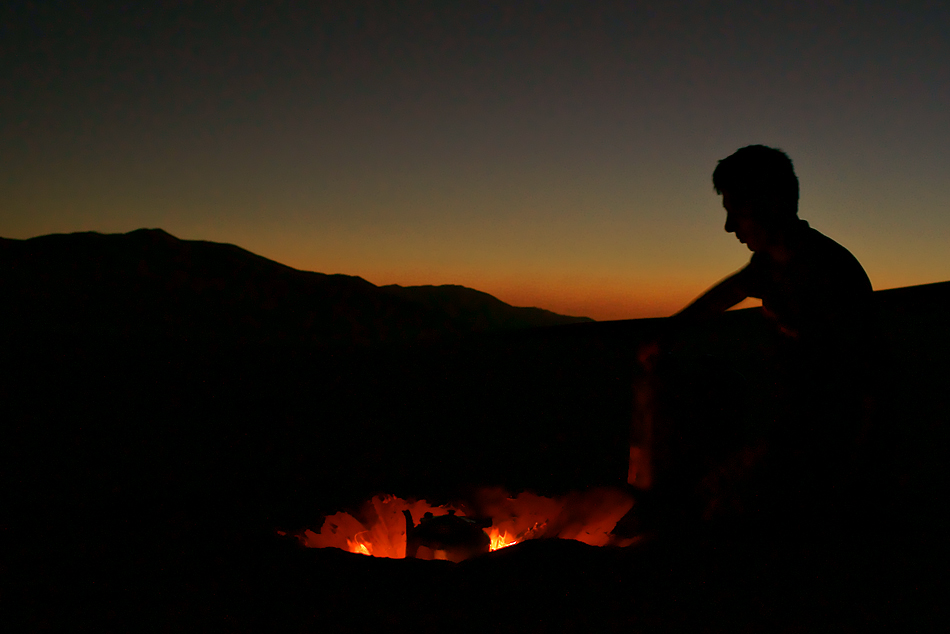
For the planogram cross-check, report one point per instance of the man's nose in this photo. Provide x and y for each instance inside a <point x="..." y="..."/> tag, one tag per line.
<point x="730" y="225"/>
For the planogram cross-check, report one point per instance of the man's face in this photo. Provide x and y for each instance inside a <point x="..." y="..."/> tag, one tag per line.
<point x="742" y="219"/>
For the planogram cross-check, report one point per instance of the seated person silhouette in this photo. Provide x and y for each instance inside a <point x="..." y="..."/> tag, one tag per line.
<point x="817" y="302"/>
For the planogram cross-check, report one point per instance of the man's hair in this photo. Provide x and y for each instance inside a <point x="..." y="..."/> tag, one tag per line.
<point x="761" y="174"/>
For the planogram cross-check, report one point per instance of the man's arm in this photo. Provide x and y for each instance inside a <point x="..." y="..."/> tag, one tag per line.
<point x="717" y="299"/>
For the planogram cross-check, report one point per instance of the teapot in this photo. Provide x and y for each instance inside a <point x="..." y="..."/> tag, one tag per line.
<point x="449" y="537"/>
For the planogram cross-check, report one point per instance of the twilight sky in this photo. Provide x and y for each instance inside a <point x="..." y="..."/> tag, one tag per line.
<point x="553" y="154"/>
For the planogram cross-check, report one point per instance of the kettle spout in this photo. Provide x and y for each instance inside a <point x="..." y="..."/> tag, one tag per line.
<point x="412" y="545"/>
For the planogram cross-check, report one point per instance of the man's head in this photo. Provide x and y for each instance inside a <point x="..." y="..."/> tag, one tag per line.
<point x="760" y="193"/>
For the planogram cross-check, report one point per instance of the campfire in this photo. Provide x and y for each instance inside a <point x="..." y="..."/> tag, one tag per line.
<point x="389" y="526"/>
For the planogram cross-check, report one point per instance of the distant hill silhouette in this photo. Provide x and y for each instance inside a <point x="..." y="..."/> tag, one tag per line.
<point x="914" y="299"/>
<point x="476" y="310"/>
<point x="152" y="284"/>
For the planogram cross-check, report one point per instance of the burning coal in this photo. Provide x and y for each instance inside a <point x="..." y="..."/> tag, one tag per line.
<point x="388" y="526"/>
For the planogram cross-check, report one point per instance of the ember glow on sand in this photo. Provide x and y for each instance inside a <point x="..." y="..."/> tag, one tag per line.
<point x="379" y="527"/>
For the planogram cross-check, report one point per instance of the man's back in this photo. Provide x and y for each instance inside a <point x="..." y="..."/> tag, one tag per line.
<point x="818" y="292"/>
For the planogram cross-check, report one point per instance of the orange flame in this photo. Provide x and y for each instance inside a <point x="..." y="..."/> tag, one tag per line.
<point x="359" y="545"/>
<point x="500" y="539"/>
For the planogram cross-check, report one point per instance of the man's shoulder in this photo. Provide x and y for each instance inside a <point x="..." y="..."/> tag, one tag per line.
<point x="828" y="256"/>
<point x="814" y="243"/>
<point x="811" y="237"/>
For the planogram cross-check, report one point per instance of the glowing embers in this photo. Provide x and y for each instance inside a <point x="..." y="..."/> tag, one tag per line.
<point x="500" y="539"/>
<point x="387" y="526"/>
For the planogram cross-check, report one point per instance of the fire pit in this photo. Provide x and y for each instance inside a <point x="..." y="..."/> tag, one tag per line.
<point x="393" y="527"/>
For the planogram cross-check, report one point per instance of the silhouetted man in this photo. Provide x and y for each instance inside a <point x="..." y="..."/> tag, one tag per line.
<point x="818" y="301"/>
<point x="811" y="287"/>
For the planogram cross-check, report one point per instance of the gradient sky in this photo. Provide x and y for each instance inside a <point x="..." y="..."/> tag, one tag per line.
<point x="553" y="154"/>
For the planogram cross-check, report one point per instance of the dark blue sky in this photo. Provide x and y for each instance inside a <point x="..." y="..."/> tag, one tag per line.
<point x="550" y="153"/>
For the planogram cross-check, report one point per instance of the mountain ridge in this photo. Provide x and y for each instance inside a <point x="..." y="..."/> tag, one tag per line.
<point x="149" y="282"/>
